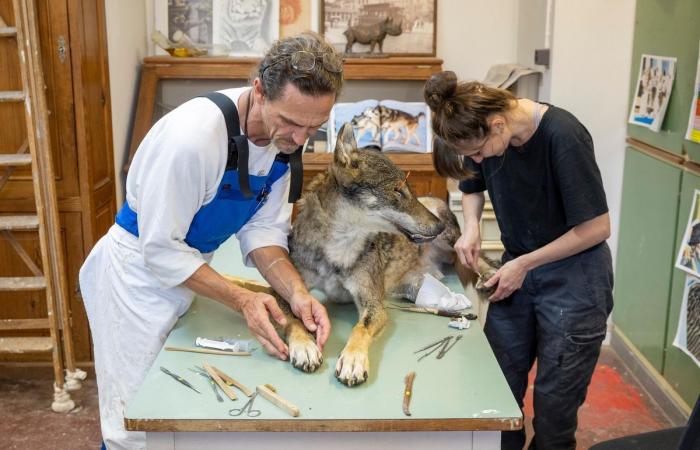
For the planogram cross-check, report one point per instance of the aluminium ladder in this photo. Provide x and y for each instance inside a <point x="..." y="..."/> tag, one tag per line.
<point x="46" y="221"/>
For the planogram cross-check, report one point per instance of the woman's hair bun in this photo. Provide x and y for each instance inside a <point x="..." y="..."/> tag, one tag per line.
<point x="440" y="87"/>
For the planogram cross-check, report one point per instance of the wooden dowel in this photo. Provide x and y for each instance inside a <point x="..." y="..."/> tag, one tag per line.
<point x="204" y="350"/>
<point x="224" y="387"/>
<point x="231" y="382"/>
<point x="268" y="392"/>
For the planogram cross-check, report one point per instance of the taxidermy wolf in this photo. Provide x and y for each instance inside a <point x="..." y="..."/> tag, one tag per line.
<point x="361" y="234"/>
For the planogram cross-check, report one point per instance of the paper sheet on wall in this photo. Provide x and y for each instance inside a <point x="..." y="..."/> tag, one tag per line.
<point x="693" y="133"/>
<point x="688" y="333"/>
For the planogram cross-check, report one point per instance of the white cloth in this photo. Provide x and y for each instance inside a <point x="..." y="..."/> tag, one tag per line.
<point x="434" y="294"/>
<point x="131" y="286"/>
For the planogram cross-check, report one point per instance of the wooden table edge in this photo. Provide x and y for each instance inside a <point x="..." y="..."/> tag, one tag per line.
<point x="339" y="425"/>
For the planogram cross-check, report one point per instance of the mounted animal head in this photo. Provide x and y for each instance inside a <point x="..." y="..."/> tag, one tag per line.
<point x="370" y="183"/>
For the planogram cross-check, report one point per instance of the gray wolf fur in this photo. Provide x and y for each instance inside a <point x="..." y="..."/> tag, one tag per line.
<point x="368" y="121"/>
<point x="359" y="235"/>
<point x="399" y="122"/>
<point x="372" y="35"/>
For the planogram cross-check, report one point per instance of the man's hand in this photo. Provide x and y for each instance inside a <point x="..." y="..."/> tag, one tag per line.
<point x="313" y="315"/>
<point x="257" y="308"/>
<point x="509" y="279"/>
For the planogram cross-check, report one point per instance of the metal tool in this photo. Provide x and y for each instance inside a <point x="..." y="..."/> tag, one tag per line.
<point x="248" y="406"/>
<point x="179" y="379"/>
<point x="432" y="345"/>
<point x="440" y="345"/>
<point x="446" y="349"/>
<point x="435" y="311"/>
<point x="210" y="380"/>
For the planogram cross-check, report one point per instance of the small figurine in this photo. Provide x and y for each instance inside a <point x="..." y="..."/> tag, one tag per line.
<point x="372" y="35"/>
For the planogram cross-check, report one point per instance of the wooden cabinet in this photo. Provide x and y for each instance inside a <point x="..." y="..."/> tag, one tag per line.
<point x="74" y="61"/>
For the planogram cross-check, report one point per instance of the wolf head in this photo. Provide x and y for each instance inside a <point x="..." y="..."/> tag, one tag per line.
<point x="372" y="185"/>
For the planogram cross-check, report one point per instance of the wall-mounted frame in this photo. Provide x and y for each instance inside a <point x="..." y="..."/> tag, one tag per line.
<point x="224" y="27"/>
<point x="416" y="19"/>
<point x="297" y="16"/>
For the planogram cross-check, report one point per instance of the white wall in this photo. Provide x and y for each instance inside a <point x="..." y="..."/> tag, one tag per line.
<point x="590" y="76"/>
<point x="473" y="35"/>
<point x="126" y="46"/>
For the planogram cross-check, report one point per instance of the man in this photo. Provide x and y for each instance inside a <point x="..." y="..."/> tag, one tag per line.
<point x="194" y="182"/>
<point x="691" y="252"/>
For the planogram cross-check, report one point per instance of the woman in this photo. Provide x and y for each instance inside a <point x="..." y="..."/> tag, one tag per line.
<point x="554" y="290"/>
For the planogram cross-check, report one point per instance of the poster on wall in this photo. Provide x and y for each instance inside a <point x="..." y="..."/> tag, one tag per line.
<point x="654" y="84"/>
<point x="192" y="17"/>
<point x="689" y="253"/>
<point x="389" y="27"/>
<point x="223" y="27"/>
<point x="693" y="133"/>
<point x="297" y="16"/>
<point x="246" y="27"/>
<point x="688" y="333"/>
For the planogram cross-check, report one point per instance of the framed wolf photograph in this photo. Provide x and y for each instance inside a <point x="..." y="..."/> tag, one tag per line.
<point x="381" y="27"/>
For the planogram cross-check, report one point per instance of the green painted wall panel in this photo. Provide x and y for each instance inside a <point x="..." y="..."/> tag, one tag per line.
<point x="669" y="28"/>
<point x="679" y="369"/>
<point x="645" y="252"/>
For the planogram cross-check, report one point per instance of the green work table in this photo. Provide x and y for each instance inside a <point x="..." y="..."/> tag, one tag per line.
<point x="459" y="401"/>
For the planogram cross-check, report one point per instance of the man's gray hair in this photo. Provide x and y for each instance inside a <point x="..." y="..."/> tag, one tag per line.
<point x="278" y="70"/>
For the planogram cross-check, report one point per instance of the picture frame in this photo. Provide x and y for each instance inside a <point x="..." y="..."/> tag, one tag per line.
<point x="415" y="19"/>
<point x="297" y="16"/>
<point x="243" y="28"/>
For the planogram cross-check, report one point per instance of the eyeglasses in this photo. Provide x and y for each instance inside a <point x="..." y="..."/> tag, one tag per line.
<point x="305" y="61"/>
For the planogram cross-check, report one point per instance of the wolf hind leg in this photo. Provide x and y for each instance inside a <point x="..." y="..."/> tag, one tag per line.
<point x="304" y="354"/>
<point x="353" y="364"/>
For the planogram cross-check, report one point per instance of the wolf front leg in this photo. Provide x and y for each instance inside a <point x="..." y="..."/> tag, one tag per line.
<point x="353" y="364"/>
<point x="304" y="354"/>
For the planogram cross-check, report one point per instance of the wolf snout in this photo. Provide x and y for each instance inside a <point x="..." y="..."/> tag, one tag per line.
<point x="424" y="235"/>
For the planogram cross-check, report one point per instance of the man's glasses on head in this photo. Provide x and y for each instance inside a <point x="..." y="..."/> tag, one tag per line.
<point x="305" y="61"/>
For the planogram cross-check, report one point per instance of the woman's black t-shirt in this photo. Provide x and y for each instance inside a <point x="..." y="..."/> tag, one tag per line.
<point x="546" y="187"/>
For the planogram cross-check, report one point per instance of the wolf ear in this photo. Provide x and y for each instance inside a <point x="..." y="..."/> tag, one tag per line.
<point x="345" y="145"/>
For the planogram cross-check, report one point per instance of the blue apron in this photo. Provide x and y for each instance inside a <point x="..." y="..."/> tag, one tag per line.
<point x="239" y="195"/>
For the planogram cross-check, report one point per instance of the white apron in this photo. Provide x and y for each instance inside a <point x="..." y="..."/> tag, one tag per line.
<point x="130" y="316"/>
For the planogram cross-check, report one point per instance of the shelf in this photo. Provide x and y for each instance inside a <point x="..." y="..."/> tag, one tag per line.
<point x="394" y="68"/>
<point x="407" y="161"/>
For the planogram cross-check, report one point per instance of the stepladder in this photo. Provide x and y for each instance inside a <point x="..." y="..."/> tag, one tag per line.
<point x="42" y="273"/>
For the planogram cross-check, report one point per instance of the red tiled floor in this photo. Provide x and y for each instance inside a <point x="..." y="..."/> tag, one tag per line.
<point x="615" y="406"/>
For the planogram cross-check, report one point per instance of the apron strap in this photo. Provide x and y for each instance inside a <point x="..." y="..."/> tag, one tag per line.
<point x="238" y="150"/>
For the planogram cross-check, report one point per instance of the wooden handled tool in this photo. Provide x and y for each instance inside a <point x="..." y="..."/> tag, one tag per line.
<point x="224" y="387"/>
<point x="408" y="392"/>
<point x="270" y="394"/>
<point x="204" y="350"/>
<point x="231" y="382"/>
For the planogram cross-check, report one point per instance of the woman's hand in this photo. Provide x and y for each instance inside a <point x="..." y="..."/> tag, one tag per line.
<point x="468" y="247"/>
<point x="257" y="308"/>
<point x="313" y="315"/>
<point x="509" y="279"/>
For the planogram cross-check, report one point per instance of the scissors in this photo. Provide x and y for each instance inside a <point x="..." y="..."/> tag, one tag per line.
<point x="249" y="406"/>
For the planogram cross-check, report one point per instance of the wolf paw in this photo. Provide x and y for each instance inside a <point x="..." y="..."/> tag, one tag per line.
<point x="352" y="368"/>
<point x="305" y="356"/>
<point x="480" y="288"/>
